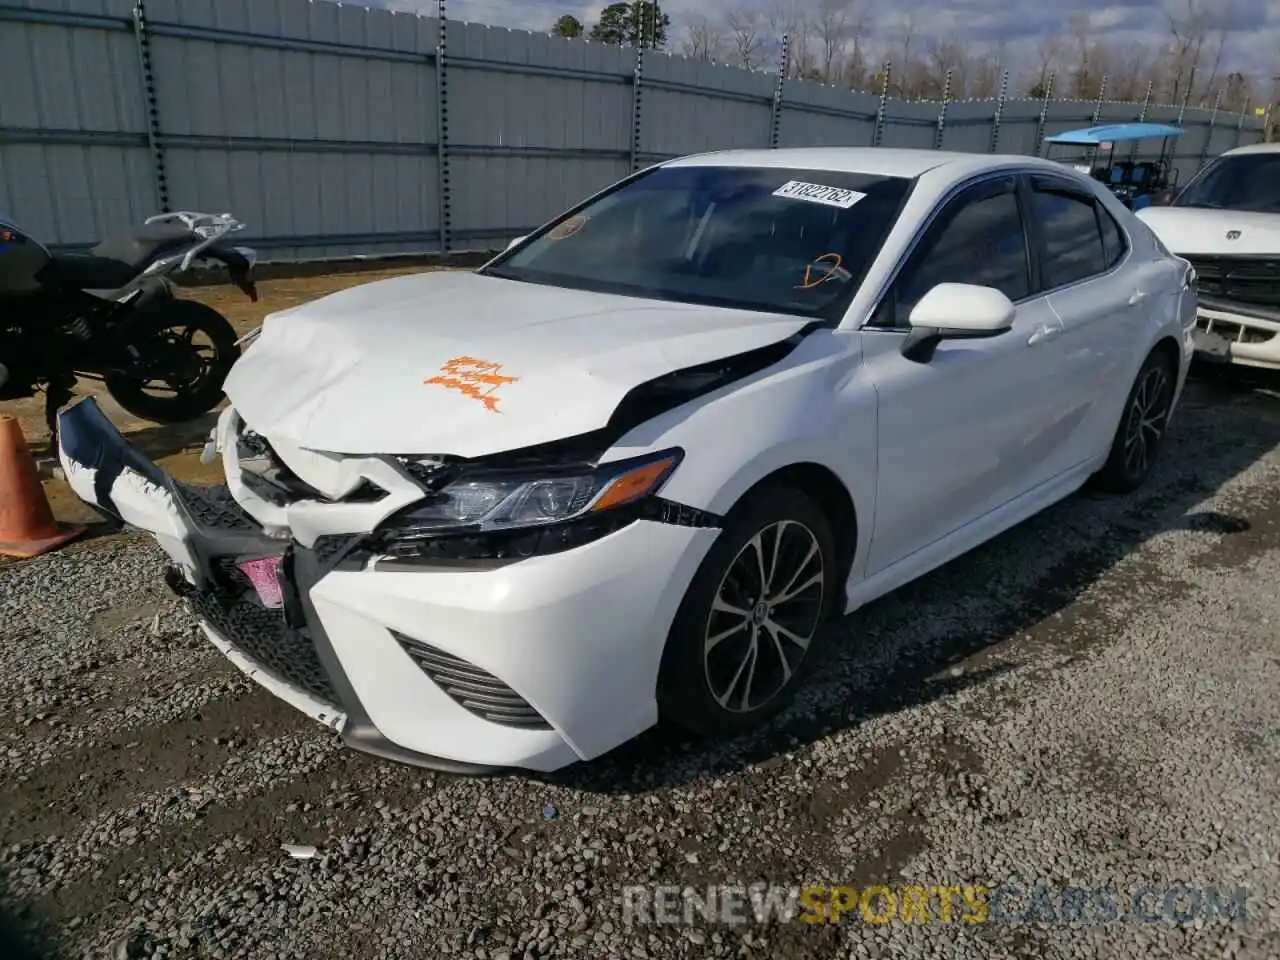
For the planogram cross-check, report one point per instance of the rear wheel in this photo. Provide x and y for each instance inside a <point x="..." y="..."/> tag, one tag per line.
<point x="750" y="625"/>
<point x="1140" y="434"/>
<point x="184" y="351"/>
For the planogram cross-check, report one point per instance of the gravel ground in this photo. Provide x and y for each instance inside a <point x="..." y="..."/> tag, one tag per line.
<point x="1091" y="700"/>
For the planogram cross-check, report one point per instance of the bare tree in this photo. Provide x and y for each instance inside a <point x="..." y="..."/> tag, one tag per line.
<point x="790" y="18"/>
<point x="905" y="76"/>
<point x="1048" y="62"/>
<point x="704" y="40"/>
<point x="1189" y="31"/>
<point x="985" y="74"/>
<point x="944" y="56"/>
<point x="830" y="41"/>
<point x="837" y="21"/>
<point x="746" y="38"/>
<point x="1222" y="14"/>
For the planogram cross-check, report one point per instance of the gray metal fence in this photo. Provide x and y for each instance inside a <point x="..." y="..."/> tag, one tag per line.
<point x="337" y="130"/>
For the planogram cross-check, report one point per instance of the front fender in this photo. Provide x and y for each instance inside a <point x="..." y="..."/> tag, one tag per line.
<point x="814" y="407"/>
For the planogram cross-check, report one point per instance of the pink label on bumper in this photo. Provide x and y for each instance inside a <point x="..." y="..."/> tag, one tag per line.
<point x="262" y="574"/>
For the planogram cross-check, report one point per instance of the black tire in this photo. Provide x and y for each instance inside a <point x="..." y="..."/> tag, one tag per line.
<point x="1139" y="436"/>
<point x="151" y="330"/>
<point x="693" y="679"/>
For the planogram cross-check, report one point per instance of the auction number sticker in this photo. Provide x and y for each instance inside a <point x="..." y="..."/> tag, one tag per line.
<point x="819" y="193"/>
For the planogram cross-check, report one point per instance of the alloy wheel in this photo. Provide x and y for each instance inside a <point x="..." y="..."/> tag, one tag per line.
<point x="1146" y="422"/>
<point x="765" y="614"/>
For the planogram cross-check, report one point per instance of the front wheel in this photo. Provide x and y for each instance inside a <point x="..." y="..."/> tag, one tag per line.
<point x="1140" y="434"/>
<point x="179" y="353"/>
<point x="749" y="627"/>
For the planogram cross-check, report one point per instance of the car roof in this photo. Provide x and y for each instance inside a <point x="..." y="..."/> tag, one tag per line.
<point x="876" y="161"/>
<point x="1254" y="148"/>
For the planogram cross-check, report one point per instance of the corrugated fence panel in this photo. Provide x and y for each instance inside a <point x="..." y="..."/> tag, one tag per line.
<point x="320" y="135"/>
<point x="689" y="106"/>
<point x="911" y="125"/>
<point x="74" y="163"/>
<point x="535" y="123"/>
<point x="317" y="123"/>
<point x="814" y="115"/>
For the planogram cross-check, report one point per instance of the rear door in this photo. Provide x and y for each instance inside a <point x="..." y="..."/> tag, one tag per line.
<point x="1102" y="294"/>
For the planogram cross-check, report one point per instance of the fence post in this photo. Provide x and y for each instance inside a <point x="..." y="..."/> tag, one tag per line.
<point x="442" y="131"/>
<point x="999" y="114"/>
<point x="878" y="135"/>
<point x="1240" y="122"/>
<point x="942" y="112"/>
<point x="1044" y="114"/>
<point x="775" y="115"/>
<point x="637" y="110"/>
<point x="1097" y="114"/>
<point x="154" y="136"/>
<point x="1142" y="117"/>
<point x="1208" y="137"/>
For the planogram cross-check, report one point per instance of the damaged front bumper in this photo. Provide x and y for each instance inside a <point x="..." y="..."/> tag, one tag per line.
<point x="206" y="536"/>
<point x="534" y="664"/>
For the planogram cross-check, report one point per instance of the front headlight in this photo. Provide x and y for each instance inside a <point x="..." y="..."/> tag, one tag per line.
<point x="496" y="503"/>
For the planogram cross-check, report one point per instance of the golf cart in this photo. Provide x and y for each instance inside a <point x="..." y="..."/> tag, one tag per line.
<point x="1139" y="183"/>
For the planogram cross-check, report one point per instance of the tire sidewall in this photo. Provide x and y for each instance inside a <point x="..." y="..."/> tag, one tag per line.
<point x="1116" y="474"/>
<point x="159" y="314"/>
<point x="684" y="697"/>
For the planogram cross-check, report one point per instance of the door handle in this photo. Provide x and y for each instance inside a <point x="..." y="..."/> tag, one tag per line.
<point x="1044" y="334"/>
<point x="1137" y="297"/>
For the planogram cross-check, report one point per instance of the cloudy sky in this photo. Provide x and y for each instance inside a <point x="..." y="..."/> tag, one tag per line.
<point x="1253" y="44"/>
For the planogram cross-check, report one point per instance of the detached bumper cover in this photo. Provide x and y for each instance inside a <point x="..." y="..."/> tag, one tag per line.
<point x="535" y="664"/>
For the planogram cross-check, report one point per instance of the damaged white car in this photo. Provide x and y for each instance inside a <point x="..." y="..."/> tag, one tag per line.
<point x="626" y="471"/>
<point x="1226" y="222"/>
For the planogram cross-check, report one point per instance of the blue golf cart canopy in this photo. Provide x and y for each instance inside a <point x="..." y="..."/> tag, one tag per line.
<point x="1112" y="133"/>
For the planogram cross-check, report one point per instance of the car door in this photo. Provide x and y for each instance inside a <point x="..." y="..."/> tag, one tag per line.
<point x="1099" y="295"/>
<point x="968" y="430"/>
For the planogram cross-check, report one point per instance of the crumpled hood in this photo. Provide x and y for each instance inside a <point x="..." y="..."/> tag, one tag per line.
<point x="453" y="362"/>
<point x="1189" y="231"/>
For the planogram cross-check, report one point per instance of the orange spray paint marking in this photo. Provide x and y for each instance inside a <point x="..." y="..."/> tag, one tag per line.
<point x="832" y="261"/>
<point x="477" y="379"/>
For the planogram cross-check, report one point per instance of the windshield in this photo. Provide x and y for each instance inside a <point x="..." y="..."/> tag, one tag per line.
<point x="785" y="241"/>
<point x="1248" y="181"/>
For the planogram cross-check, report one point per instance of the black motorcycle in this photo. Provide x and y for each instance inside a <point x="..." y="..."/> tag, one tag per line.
<point x="111" y="315"/>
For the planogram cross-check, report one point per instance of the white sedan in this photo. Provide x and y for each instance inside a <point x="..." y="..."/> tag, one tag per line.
<point x="625" y="472"/>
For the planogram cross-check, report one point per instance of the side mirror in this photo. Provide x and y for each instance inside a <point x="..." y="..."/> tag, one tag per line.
<point x="516" y="242"/>
<point x="956" y="311"/>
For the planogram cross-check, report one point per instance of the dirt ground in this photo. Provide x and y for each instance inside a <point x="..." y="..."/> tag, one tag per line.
<point x="177" y="447"/>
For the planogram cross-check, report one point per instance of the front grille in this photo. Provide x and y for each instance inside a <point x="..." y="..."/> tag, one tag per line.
<point x="214" y="508"/>
<point x="263" y="635"/>
<point x="1245" y="280"/>
<point x="473" y="689"/>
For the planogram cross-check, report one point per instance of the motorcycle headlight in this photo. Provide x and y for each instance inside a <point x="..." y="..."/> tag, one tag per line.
<point x="516" y="503"/>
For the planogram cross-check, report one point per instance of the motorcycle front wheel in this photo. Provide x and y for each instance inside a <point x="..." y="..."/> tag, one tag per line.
<point x="176" y="356"/>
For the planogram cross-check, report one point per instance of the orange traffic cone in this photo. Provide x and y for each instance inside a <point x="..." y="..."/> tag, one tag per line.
<point x="27" y="527"/>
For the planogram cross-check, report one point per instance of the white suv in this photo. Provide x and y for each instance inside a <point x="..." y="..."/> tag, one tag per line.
<point x="1226" y="221"/>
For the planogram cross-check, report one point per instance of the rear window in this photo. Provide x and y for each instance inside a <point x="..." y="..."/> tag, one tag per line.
<point x="780" y="240"/>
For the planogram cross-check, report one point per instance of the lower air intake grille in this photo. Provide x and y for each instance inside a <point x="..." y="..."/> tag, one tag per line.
<point x="262" y="634"/>
<point x="213" y="507"/>
<point x="473" y="689"/>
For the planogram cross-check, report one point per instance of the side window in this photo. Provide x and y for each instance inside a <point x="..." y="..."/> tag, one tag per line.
<point x="1113" y="243"/>
<point x="1072" y="240"/>
<point x="978" y="239"/>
